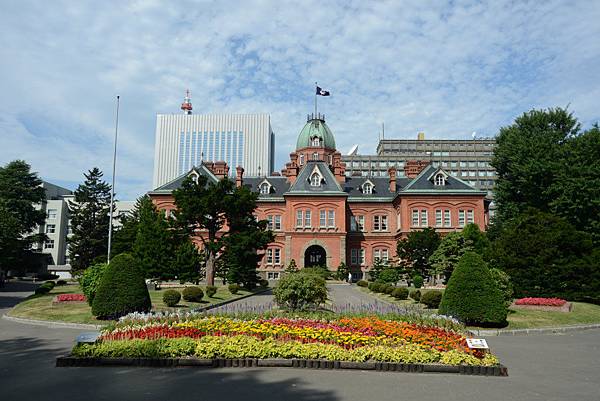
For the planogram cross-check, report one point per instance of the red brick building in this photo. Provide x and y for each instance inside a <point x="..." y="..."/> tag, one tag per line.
<point x="322" y="217"/>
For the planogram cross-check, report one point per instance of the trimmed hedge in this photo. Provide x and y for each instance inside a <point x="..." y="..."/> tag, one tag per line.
<point x="42" y="290"/>
<point x="432" y="299"/>
<point x="171" y="297"/>
<point x="211" y="290"/>
<point x="416" y="295"/>
<point x="362" y="283"/>
<point x="233" y="288"/>
<point x="122" y="290"/>
<point x="388" y="289"/>
<point x="193" y="294"/>
<point x="400" y="293"/>
<point x="472" y="294"/>
<point x="418" y="281"/>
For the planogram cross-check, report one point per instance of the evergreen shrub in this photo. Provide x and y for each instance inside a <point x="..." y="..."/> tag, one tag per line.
<point x="297" y="291"/>
<point x="472" y="294"/>
<point x="432" y="299"/>
<point x="388" y="289"/>
<point x="233" y="288"/>
<point x="122" y="290"/>
<point x="171" y="298"/>
<point x="41" y="290"/>
<point x="263" y="283"/>
<point x="400" y="293"/>
<point x="193" y="294"/>
<point x="415" y="295"/>
<point x="418" y="281"/>
<point x="362" y="283"/>
<point x="211" y="290"/>
<point x="61" y="282"/>
<point x="90" y="280"/>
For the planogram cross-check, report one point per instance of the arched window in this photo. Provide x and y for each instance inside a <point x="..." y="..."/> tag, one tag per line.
<point x="265" y="188"/>
<point x="315" y="180"/>
<point x="440" y="180"/>
<point x="367" y="188"/>
<point x="301" y="159"/>
<point x="316" y="141"/>
<point x="315" y="156"/>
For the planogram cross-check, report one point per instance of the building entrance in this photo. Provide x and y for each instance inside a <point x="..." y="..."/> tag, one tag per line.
<point x="315" y="256"/>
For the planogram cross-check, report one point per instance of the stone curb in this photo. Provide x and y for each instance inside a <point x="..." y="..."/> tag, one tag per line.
<point x="228" y="301"/>
<point x="69" y="361"/>
<point x="52" y="324"/>
<point x="541" y="330"/>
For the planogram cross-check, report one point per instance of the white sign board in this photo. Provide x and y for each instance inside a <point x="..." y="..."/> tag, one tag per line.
<point x="477" y="343"/>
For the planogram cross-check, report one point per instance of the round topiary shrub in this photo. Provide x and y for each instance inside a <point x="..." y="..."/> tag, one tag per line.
<point x="296" y="291"/>
<point x="192" y="294"/>
<point x="362" y="283"/>
<point x="122" y="290"/>
<point x="371" y="286"/>
<point x="472" y="295"/>
<point x="263" y="283"/>
<point x="418" y="281"/>
<point x="376" y="287"/>
<point x="233" y="288"/>
<point x="211" y="290"/>
<point x="171" y="298"/>
<point x="432" y="299"/>
<point x="41" y="290"/>
<point x="415" y="295"/>
<point x="388" y="289"/>
<point x="400" y="293"/>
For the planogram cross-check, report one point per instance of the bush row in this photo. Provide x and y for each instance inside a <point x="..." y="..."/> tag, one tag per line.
<point x="430" y="298"/>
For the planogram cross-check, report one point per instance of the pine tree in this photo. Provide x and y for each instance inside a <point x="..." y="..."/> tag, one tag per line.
<point x="414" y="251"/>
<point x="153" y="247"/>
<point x="89" y="221"/>
<point x="20" y="192"/>
<point x="291" y="267"/>
<point x="124" y="236"/>
<point x="186" y="263"/>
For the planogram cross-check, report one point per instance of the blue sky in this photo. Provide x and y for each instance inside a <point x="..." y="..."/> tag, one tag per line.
<point x="445" y="68"/>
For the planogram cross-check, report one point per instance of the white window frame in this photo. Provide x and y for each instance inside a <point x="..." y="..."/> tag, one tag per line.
<point x="376" y="255"/>
<point x="50" y="228"/>
<point x="315" y="179"/>
<point x="424" y="218"/>
<point x="49" y="244"/>
<point x="353" y="224"/>
<point x="385" y="257"/>
<point x="447" y="218"/>
<point x="415" y="217"/>
<point x="269" y="256"/>
<point x="322" y="218"/>
<point x="315" y="156"/>
<point x="272" y="275"/>
<point x="461" y="218"/>
<point x="360" y="223"/>
<point x="376" y="226"/>
<point x="354" y="256"/>
<point x="265" y="188"/>
<point x="362" y="256"/>
<point x="277" y="222"/>
<point x="52" y="213"/>
<point x="270" y="223"/>
<point x="301" y="159"/>
<point x="299" y="218"/>
<point x="307" y="218"/>
<point x="438" y="218"/>
<point x="367" y="188"/>
<point x="470" y="216"/>
<point x="440" y="180"/>
<point x="316" y="141"/>
<point x="331" y="218"/>
<point x="277" y="256"/>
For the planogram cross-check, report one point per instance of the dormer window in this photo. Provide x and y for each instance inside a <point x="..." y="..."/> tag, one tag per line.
<point x="315" y="180"/>
<point x="316" y="141"/>
<point x="264" y="188"/>
<point x="367" y="188"/>
<point x="439" y="179"/>
<point x="194" y="175"/>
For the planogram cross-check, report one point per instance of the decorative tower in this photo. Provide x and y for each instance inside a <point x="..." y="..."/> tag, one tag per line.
<point x="186" y="106"/>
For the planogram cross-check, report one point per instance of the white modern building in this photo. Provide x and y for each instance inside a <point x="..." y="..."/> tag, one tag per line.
<point x="186" y="140"/>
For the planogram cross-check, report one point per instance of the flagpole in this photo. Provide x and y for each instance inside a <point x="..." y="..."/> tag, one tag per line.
<point x="316" y="99"/>
<point x="112" y="190"/>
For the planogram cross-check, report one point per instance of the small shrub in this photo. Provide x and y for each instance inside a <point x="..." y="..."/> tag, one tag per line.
<point x="61" y="282"/>
<point x="362" y="283"/>
<point x="371" y="286"/>
<point x="263" y="283"/>
<point x="42" y="290"/>
<point x="503" y="282"/>
<point x="233" y="288"/>
<point x="171" y="298"/>
<point x="432" y="299"/>
<point x="211" y="290"/>
<point x="388" y="289"/>
<point x="318" y="270"/>
<point x="297" y="291"/>
<point x="193" y="294"/>
<point x="389" y="275"/>
<point x="122" y="290"/>
<point x="400" y="293"/>
<point x="415" y="295"/>
<point x="418" y="281"/>
<point x="376" y="287"/>
<point x="90" y="280"/>
<point x="50" y="284"/>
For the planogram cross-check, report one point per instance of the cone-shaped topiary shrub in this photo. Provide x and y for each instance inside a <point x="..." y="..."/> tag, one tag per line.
<point x="122" y="290"/>
<point x="472" y="294"/>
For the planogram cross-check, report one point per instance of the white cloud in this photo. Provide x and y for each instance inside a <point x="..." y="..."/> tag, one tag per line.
<point x="444" y="68"/>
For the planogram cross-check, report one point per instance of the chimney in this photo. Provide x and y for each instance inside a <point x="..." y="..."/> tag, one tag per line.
<point x="339" y="168"/>
<point x="392" y="173"/>
<point x="412" y="168"/>
<point x="219" y="169"/>
<point x="239" y="176"/>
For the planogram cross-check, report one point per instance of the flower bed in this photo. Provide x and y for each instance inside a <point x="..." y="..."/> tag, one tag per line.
<point x="356" y="339"/>
<point x="541" y="301"/>
<point x="69" y="298"/>
<point x="545" y="304"/>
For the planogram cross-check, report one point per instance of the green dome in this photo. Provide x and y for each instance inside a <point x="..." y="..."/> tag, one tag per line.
<point x="315" y="128"/>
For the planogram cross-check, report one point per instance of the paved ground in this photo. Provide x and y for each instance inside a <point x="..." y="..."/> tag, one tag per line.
<point x="555" y="367"/>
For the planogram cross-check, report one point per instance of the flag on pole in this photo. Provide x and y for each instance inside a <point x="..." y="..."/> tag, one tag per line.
<point x="322" y="92"/>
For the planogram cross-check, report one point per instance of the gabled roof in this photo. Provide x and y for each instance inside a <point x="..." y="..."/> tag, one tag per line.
<point x="279" y="185"/>
<point x="176" y="183"/>
<point x="329" y="185"/>
<point x="423" y="183"/>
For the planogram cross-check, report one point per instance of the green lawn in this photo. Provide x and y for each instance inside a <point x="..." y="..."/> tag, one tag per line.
<point x="40" y="307"/>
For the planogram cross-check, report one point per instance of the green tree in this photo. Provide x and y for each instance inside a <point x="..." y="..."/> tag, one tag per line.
<point x="153" y="247"/>
<point x="20" y="193"/>
<point x="446" y="256"/>
<point x="546" y="256"/>
<point x="415" y="250"/>
<point x="300" y="291"/>
<point x="186" y="265"/>
<point x="89" y="221"/>
<point x="291" y="267"/>
<point x="378" y="267"/>
<point x="124" y="236"/>
<point x="342" y="271"/>
<point x="220" y="210"/>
